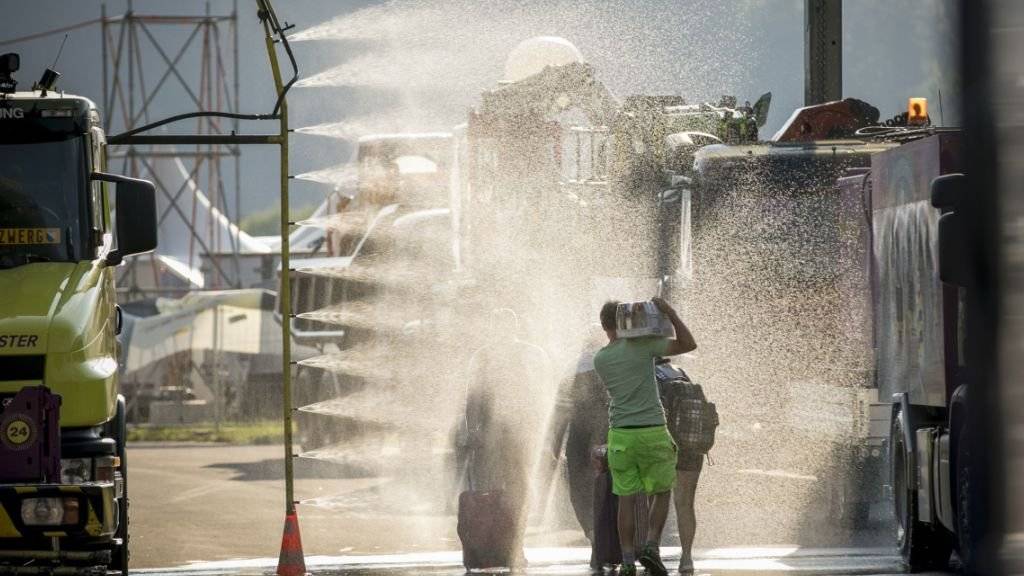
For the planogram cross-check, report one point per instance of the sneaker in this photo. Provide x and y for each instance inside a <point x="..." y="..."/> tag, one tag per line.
<point x="651" y="559"/>
<point x="627" y="570"/>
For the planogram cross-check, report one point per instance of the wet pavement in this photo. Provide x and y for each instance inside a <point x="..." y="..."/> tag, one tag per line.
<point x="572" y="561"/>
<point x="205" y="510"/>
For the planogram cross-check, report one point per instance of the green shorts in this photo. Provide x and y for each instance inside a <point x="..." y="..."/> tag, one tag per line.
<point x="641" y="460"/>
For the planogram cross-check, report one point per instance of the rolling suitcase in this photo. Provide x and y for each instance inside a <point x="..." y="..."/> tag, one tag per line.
<point x="488" y="527"/>
<point x="605" y="549"/>
<point x="487" y="530"/>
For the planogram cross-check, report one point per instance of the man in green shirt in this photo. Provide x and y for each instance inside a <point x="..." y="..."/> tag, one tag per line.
<point x="641" y="454"/>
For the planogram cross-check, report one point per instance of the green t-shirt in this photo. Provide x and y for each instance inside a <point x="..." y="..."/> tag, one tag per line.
<point x="627" y="368"/>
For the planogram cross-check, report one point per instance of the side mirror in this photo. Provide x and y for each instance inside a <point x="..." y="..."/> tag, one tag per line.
<point x="135" y="218"/>
<point x="947" y="190"/>
<point x="954" y="252"/>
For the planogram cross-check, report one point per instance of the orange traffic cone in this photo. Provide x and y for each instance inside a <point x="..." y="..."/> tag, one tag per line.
<point x="291" y="562"/>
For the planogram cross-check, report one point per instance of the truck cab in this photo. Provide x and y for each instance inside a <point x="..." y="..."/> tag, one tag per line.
<point x="63" y="496"/>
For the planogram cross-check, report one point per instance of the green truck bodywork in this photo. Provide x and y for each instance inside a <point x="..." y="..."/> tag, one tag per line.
<point x="60" y="241"/>
<point x="64" y="312"/>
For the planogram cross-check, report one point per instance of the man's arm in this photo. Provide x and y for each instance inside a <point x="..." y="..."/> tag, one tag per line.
<point x="683" y="341"/>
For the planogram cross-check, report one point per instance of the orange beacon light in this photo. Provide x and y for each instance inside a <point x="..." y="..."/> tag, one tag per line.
<point x="917" y="111"/>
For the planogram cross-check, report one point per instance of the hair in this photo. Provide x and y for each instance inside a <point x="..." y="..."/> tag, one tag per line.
<point x="608" y="314"/>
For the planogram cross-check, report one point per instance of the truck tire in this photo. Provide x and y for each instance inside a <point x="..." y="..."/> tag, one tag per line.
<point x="119" y="557"/>
<point x="965" y="543"/>
<point x="921" y="546"/>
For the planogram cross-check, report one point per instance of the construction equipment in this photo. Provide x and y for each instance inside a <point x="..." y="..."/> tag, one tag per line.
<point x="558" y="188"/>
<point x="63" y="229"/>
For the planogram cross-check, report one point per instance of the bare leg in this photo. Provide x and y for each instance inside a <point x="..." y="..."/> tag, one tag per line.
<point x="685" y="493"/>
<point x="659" y="514"/>
<point x="627" y="524"/>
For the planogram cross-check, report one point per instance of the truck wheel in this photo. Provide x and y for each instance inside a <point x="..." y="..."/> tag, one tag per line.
<point x="963" y="498"/>
<point x="119" y="559"/>
<point x="920" y="546"/>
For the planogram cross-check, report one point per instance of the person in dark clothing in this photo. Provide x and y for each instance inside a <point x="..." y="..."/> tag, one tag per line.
<point x="580" y="420"/>
<point x="505" y="416"/>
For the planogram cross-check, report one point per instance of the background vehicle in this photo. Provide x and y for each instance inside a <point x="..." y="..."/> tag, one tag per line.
<point x="396" y="235"/>
<point x="63" y="487"/>
<point x="557" y="188"/>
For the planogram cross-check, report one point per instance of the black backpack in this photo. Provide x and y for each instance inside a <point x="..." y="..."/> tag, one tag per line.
<point x="691" y="419"/>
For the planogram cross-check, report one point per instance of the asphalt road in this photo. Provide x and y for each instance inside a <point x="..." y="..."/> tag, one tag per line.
<point x="204" y="502"/>
<point x="215" y="509"/>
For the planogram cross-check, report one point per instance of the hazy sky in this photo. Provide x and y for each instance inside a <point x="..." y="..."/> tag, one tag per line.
<point x="430" y="59"/>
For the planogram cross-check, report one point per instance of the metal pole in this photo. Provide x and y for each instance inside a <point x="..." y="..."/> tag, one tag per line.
<point x="116" y="86"/>
<point x="285" y="294"/>
<point x="103" y="51"/>
<point x="131" y="78"/>
<point x="823" y="51"/>
<point x="237" y="158"/>
<point x="217" y="408"/>
<point x="207" y="124"/>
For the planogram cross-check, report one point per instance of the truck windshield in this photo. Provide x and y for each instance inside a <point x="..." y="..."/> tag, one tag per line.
<point x="41" y="185"/>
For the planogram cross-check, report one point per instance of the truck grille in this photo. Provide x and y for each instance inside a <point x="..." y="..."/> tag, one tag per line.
<point x="22" y="367"/>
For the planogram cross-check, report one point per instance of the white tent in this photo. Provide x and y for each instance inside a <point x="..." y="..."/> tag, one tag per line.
<point x="232" y="321"/>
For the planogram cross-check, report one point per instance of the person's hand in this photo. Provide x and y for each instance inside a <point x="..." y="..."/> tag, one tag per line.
<point x="599" y="458"/>
<point x="663" y="306"/>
